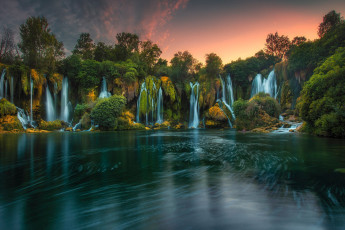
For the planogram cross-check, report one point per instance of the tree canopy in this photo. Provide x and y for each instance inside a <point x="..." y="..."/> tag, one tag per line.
<point x="329" y="21"/>
<point x="85" y="46"/>
<point x="39" y="46"/>
<point x="277" y="45"/>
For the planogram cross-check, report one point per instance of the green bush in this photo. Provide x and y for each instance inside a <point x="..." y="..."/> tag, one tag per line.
<point x="7" y="108"/>
<point x="322" y="100"/>
<point x="51" y="125"/>
<point x="267" y="103"/>
<point x="246" y="113"/>
<point x="85" y="121"/>
<point x="107" y="110"/>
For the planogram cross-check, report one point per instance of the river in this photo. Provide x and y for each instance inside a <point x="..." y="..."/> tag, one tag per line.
<point x="194" y="179"/>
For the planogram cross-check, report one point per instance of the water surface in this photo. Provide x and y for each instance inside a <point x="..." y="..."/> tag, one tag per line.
<point x="196" y="179"/>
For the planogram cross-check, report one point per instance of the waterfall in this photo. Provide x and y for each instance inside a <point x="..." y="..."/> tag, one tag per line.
<point x="154" y="89"/>
<point x="194" y="106"/>
<point x="5" y="89"/>
<point x="31" y="94"/>
<point x="50" y="107"/>
<point x="104" y="91"/>
<point x="65" y="107"/>
<point x="12" y="90"/>
<point x="2" y="80"/>
<point x="230" y="92"/>
<point x="143" y="88"/>
<point x="160" y="107"/>
<point x="228" y="95"/>
<point x="23" y="118"/>
<point x="268" y="85"/>
<point x="77" y="126"/>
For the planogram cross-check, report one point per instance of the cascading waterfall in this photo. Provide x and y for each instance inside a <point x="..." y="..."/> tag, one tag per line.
<point x="194" y="106"/>
<point x="31" y="94"/>
<point x="65" y="105"/>
<point x="228" y="95"/>
<point x="5" y="89"/>
<point x="2" y="81"/>
<point x="24" y="118"/>
<point x="160" y="107"/>
<point x="12" y="90"/>
<point x="104" y="92"/>
<point x="268" y="85"/>
<point x="50" y="106"/>
<point x="154" y="89"/>
<point x="143" y="88"/>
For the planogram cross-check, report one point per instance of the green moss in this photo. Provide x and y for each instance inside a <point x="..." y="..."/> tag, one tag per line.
<point x="51" y="125"/>
<point x="7" y="108"/>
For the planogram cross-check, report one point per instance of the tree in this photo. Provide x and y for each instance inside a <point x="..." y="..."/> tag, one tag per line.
<point x="298" y="40"/>
<point x="39" y="46"/>
<point x="8" y="49"/>
<point x="85" y="47"/>
<point x="127" y="43"/>
<point x="183" y="66"/>
<point x="277" y="45"/>
<point x="329" y="21"/>
<point x="149" y="54"/>
<point x="322" y="99"/>
<point x="214" y="65"/>
<point x="103" y="52"/>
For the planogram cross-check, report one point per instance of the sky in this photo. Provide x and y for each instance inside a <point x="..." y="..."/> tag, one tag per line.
<point x="230" y="28"/>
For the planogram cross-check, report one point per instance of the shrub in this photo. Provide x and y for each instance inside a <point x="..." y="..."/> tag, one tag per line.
<point x="267" y="103"/>
<point x="51" y="125"/>
<point x="107" y="110"/>
<point x="7" y="108"/>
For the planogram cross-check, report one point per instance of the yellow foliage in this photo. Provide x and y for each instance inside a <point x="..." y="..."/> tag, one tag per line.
<point x="91" y="96"/>
<point x="56" y="79"/>
<point x="216" y="113"/>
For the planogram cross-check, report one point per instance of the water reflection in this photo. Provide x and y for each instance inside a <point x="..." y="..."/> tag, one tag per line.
<point x="169" y="180"/>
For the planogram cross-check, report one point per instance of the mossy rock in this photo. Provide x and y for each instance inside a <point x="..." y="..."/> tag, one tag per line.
<point x="7" y="108"/>
<point x="11" y="123"/>
<point x="52" y="125"/>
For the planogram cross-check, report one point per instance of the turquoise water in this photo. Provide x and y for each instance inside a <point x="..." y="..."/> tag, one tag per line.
<point x="195" y="179"/>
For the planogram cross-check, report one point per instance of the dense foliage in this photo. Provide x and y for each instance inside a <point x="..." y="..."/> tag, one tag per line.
<point x="322" y="101"/>
<point x="261" y="110"/>
<point x="107" y="110"/>
<point x="7" y="108"/>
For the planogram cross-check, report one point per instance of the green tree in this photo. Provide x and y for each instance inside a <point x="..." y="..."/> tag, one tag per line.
<point x="127" y="43"/>
<point x="149" y="54"/>
<point x="103" y="52"/>
<point x="85" y="46"/>
<point x="88" y="76"/>
<point x="322" y="100"/>
<point x="277" y="45"/>
<point x="183" y="66"/>
<point x="214" y="65"/>
<point x="39" y="46"/>
<point x="71" y="67"/>
<point x="329" y="21"/>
